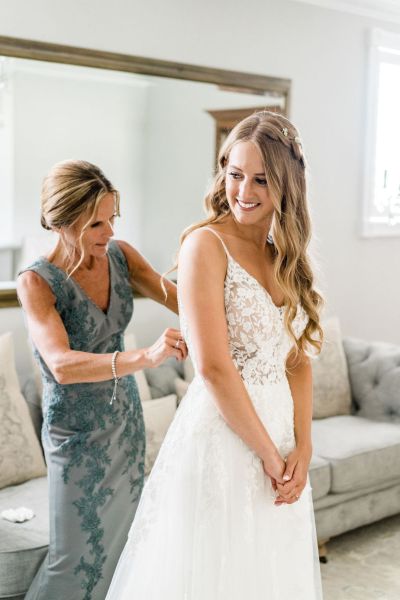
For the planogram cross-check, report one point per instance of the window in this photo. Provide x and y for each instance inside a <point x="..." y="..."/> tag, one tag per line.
<point x="382" y="165"/>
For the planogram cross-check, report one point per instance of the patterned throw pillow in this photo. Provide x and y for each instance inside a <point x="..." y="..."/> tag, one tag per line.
<point x="20" y="453"/>
<point x="331" y="386"/>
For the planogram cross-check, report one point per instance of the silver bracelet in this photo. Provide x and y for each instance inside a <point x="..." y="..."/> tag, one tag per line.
<point x="114" y="374"/>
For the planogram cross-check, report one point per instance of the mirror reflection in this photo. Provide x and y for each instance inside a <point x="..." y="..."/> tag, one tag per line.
<point x="155" y="138"/>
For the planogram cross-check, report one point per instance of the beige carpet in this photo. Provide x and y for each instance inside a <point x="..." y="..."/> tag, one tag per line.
<point x="364" y="564"/>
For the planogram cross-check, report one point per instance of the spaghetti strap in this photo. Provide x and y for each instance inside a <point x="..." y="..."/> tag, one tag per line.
<point x="220" y="239"/>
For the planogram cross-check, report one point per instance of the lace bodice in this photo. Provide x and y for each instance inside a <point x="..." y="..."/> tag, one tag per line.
<point x="258" y="341"/>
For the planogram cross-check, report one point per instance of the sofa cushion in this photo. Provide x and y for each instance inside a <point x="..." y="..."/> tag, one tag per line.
<point x="21" y="456"/>
<point x="374" y="371"/>
<point x="320" y="477"/>
<point x="331" y="387"/>
<point x="23" y="545"/>
<point x="359" y="451"/>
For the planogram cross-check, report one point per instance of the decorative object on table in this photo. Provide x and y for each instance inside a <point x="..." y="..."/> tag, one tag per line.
<point x="17" y="515"/>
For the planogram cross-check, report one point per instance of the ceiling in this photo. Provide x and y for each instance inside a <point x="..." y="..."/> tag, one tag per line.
<point x="387" y="10"/>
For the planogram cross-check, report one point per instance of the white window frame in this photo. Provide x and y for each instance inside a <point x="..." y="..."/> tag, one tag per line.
<point x="384" y="47"/>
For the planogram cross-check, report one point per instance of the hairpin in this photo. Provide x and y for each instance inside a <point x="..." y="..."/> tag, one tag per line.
<point x="285" y="132"/>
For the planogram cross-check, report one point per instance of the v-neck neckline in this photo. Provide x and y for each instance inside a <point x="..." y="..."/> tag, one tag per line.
<point x="278" y="308"/>
<point x="106" y="312"/>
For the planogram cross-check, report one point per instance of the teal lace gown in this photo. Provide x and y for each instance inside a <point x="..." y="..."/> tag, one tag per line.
<point x="94" y="450"/>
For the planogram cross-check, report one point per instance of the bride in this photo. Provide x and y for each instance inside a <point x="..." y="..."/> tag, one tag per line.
<point x="227" y="511"/>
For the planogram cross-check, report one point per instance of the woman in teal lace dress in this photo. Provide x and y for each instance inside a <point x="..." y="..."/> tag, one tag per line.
<point x="78" y="301"/>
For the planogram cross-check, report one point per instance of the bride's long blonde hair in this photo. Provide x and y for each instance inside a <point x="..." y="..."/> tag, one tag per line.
<point x="279" y="145"/>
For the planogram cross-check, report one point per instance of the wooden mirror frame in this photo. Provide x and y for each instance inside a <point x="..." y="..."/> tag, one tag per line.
<point x="225" y="120"/>
<point x="85" y="57"/>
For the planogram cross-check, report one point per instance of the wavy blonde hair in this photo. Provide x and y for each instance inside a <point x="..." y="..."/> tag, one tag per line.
<point x="71" y="189"/>
<point x="279" y="145"/>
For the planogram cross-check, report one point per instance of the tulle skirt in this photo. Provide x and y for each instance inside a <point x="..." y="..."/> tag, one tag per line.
<point x="206" y="527"/>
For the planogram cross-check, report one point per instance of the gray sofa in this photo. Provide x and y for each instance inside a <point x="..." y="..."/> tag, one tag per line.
<point x="355" y="470"/>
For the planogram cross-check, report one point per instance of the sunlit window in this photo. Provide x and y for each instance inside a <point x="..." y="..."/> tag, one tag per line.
<point x="382" y="179"/>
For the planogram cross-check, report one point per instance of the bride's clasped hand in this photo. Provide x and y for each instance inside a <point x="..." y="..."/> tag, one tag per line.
<point x="294" y="477"/>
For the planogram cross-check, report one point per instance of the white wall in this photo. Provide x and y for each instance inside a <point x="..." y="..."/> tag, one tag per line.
<point x="323" y="52"/>
<point x="180" y="158"/>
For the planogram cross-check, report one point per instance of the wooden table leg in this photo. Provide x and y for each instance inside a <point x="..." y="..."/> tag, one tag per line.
<point x="323" y="551"/>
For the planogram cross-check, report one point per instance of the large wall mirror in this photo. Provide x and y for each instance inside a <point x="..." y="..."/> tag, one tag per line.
<point x="152" y="126"/>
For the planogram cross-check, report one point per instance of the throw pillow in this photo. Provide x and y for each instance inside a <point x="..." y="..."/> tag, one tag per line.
<point x="188" y="369"/>
<point x="181" y="387"/>
<point x="20" y="452"/>
<point x="158" y="415"/>
<point x="331" y="386"/>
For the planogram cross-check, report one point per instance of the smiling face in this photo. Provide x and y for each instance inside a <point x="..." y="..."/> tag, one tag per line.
<point x="98" y="232"/>
<point x="246" y="185"/>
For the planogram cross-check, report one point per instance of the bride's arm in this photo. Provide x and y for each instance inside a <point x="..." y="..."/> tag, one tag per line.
<point x="201" y="274"/>
<point x="299" y="375"/>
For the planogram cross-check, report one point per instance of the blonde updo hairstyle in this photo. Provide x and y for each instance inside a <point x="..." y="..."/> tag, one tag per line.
<point x="279" y="145"/>
<point x="71" y="189"/>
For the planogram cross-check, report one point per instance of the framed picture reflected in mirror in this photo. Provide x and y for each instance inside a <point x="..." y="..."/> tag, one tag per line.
<point x="225" y="121"/>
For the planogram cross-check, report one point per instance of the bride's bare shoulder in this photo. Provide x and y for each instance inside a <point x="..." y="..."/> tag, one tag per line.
<point x="203" y="242"/>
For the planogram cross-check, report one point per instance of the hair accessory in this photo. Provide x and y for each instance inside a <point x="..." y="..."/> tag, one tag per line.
<point x="285" y="132"/>
<point x="114" y="374"/>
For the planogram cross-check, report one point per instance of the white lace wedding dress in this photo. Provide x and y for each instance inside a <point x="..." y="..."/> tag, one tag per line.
<point x="206" y="527"/>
